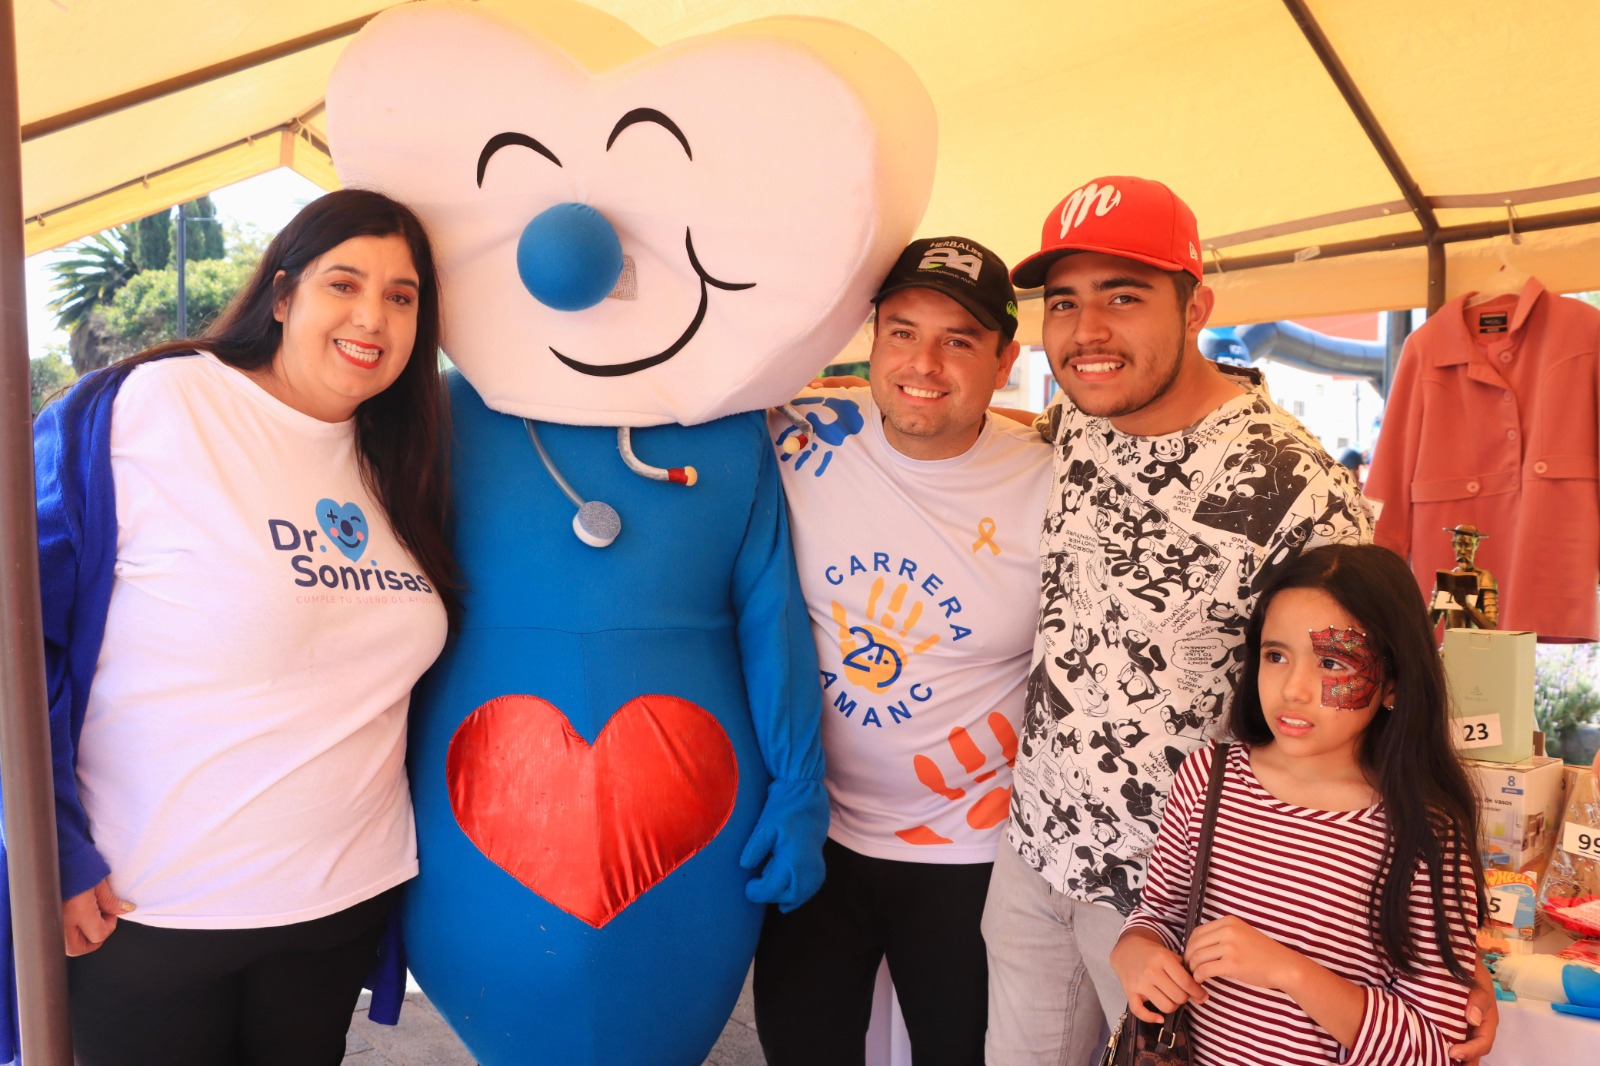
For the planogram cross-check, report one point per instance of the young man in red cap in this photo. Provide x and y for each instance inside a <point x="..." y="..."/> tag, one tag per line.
<point x="915" y="518"/>
<point x="1179" y="488"/>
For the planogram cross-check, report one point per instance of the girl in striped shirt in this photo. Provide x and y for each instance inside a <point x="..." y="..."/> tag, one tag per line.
<point x="1344" y="887"/>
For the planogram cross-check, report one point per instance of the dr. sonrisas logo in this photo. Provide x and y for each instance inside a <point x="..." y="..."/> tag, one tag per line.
<point x="833" y="421"/>
<point x="345" y="526"/>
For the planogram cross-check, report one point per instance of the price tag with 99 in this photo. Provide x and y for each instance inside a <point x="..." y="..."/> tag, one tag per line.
<point x="1581" y="840"/>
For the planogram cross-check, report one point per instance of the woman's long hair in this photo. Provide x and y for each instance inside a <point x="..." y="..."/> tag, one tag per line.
<point x="1430" y="811"/>
<point x="402" y="433"/>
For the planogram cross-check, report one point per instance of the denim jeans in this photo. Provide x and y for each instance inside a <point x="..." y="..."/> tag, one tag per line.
<point x="1052" y="991"/>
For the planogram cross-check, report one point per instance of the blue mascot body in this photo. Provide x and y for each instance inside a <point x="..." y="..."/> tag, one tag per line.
<point x="659" y="611"/>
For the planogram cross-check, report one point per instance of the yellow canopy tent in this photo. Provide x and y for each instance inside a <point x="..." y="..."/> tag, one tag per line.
<point x="1341" y="155"/>
<point x="1459" y="118"/>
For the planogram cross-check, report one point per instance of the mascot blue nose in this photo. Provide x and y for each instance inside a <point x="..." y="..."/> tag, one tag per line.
<point x="569" y="257"/>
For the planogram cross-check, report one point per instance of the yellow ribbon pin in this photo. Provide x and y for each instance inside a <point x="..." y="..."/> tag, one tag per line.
<point x="986" y="536"/>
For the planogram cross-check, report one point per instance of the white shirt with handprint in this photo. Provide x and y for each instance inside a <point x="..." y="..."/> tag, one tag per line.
<point x="922" y="579"/>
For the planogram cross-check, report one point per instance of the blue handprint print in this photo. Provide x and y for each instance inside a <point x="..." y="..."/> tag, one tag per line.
<point x="832" y="422"/>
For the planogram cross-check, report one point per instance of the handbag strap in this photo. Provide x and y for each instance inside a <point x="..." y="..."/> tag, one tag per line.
<point x="1208" y="824"/>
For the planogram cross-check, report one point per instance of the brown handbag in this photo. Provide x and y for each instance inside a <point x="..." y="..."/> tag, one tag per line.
<point x="1137" y="1042"/>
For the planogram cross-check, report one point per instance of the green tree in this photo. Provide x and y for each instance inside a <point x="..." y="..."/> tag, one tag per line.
<point x="144" y="312"/>
<point x="204" y="230"/>
<point x="48" y="374"/>
<point x="152" y="241"/>
<point x="99" y="266"/>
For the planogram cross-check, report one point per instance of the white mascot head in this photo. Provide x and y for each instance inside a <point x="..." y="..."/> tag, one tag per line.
<point x="634" y="236"/>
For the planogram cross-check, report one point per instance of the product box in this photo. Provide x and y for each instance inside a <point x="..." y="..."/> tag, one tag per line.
<point x="1490" y="675"/>
<point x="1519" y="810"/>
<point x="1514" y="917"/>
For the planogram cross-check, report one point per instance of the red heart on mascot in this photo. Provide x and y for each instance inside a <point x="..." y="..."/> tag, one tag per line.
<point x="591" y="829"/>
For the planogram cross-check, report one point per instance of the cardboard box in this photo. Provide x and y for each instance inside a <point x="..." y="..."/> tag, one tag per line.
<point x="1519" y="810"/>
<point x="1490" y="676"/>
<point x="1514" y="913"/>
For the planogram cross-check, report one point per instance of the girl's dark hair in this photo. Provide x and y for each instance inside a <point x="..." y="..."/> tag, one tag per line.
<point x="401" y="433"/>
<point x="1430" y="812"/>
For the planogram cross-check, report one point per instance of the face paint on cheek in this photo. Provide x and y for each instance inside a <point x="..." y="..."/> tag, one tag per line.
<point x="1354" y="690"/>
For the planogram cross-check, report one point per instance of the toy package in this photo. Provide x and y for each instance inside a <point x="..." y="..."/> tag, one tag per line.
<point x="1570" y="893"/>
<point x="1513" y="921"/>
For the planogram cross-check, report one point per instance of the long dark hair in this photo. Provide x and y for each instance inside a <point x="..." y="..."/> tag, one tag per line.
<point x="1430" y="812"/>
<point x="402" y="433"/>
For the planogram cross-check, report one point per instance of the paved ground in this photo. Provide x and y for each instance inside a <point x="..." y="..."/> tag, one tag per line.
<point x="423" y="1039"/>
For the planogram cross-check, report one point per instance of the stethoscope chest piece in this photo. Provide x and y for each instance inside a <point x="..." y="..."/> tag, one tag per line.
<point x="597" y="524"/>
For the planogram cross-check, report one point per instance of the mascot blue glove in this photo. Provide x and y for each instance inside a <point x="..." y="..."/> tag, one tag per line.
<point x="787" y="845"/>
<point x="617" y="760"/>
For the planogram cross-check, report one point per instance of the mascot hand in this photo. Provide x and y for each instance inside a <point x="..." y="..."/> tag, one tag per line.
<point x="788" y="839"/>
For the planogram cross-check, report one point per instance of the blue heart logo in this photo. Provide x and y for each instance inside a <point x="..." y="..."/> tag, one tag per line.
<point x="345" y="525"/>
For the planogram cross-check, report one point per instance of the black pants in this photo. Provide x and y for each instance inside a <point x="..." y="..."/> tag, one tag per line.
<point x="280" y="996"/>
<point x="815" y="967"/>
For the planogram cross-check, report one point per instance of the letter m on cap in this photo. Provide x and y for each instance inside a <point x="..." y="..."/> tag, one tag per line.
<point x="954" y="260"/>
<point x="1076" y="207"/>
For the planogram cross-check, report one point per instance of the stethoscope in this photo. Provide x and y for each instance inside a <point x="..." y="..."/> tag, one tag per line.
<point x="597" y="523"/>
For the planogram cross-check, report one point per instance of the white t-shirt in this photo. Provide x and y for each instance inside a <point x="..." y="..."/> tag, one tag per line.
<point x="921" y="578"/>
<point x="1153" y="552"/>
<point x="243" y="752"/>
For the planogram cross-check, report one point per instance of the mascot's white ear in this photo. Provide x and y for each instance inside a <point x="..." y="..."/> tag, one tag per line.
<point x="630" y="235"/>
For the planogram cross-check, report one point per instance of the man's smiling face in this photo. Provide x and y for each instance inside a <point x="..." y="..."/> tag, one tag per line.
<point x="934" y="372"/>
<point x="1116" y="336"/>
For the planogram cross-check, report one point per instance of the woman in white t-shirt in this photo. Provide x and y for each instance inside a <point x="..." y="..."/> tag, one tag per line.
<point x="242" y="547"/>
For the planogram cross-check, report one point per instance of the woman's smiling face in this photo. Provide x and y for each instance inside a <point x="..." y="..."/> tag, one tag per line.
<point x="348" y="328"/>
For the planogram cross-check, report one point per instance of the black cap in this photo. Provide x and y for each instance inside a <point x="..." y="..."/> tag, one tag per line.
<point x="963" y="270"/>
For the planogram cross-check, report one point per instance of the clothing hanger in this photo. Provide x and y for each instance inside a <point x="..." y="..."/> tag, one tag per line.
<point x="1508" y="280"/>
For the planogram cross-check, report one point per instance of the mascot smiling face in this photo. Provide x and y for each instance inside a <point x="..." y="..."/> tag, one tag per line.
<point x="633" y="236"/>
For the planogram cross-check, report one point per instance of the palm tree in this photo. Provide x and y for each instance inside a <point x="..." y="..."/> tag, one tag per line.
<point x="101" y="265"/>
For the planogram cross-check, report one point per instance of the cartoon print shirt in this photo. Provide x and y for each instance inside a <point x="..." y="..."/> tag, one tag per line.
<point x="242" y="759"/>
<point x="921" y="577"/>
<point x="1153" y="552"/>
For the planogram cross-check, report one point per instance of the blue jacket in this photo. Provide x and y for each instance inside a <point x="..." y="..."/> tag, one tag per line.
<point x="77" y="516"/>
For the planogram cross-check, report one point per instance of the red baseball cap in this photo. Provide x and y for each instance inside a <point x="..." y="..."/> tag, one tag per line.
<point x="1134" y="218"/>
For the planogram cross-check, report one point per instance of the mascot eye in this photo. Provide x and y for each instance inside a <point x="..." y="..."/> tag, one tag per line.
<point x="648" y="114"/>
<point x="501" y="140"/>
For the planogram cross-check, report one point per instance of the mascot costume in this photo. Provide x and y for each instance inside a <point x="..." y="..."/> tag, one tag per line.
<point x="617" y="761"/>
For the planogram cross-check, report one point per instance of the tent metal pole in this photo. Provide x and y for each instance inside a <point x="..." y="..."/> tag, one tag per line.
<point x="29" y="792"/>
<point x="191" y="79"/>
<point x="1381" y="144"/>
<point x="1435" y="274"/>
<point x="1363" y="114"/>
<point x="1472" y="231"/>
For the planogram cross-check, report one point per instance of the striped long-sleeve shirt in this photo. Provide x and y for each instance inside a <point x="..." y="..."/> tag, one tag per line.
<point x="1302" y="877"/>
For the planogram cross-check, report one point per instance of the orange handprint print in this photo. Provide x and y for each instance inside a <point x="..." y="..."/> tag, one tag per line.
<point x="874" y="652"/>
<point x="989" y="809"/>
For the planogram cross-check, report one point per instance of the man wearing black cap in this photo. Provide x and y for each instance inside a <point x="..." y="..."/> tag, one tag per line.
<point x="915" y="520"/>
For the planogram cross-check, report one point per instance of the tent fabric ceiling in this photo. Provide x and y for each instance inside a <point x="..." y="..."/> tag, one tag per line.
<point x="1491" y="109"/>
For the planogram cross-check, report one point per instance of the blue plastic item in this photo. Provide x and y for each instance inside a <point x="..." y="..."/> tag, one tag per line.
<point x="1582" y="985"/>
